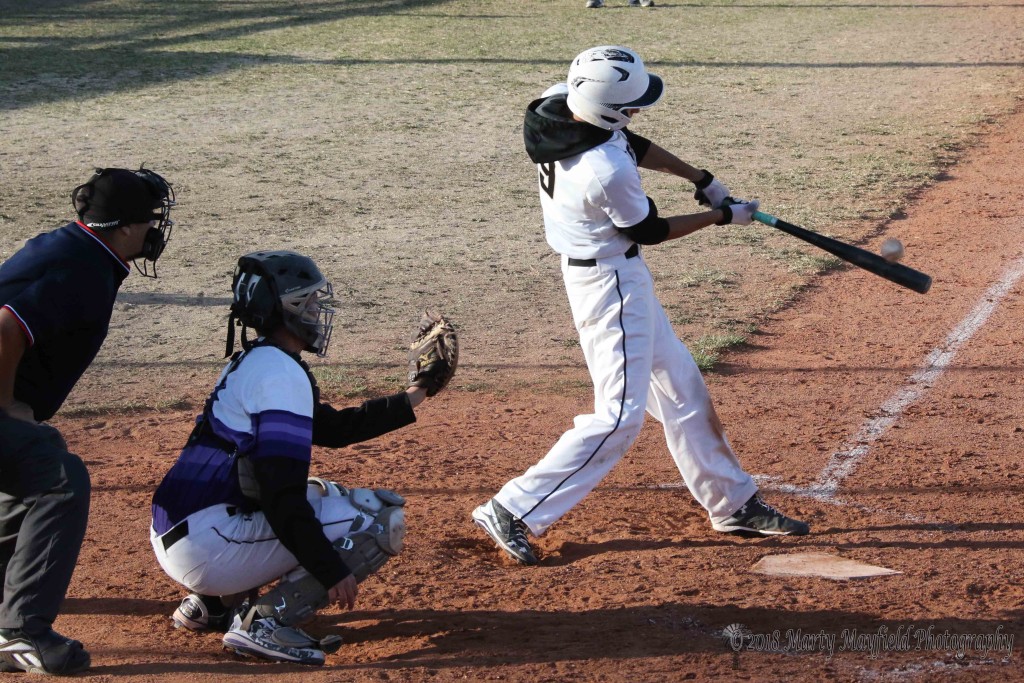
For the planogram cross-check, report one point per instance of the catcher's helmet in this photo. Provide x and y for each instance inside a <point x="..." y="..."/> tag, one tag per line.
<point x="282" y="288"/>
<point x="115" y="197"/>
<point x="607" y="80"/>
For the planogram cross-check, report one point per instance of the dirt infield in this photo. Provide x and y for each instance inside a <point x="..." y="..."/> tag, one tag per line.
<point x="633" y="584"/>
<point x="384" y="138"/>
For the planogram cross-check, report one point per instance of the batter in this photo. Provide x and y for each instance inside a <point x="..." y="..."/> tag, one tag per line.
<point x="596" y="216"/>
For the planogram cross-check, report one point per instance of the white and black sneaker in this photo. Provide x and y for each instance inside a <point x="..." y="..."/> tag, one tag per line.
<point x="41" y="653"/>
<point x="269" y="639"/>
<point x="594" y="4"/>
<point x="758" y="517"/>
<point x="507" y="530"/>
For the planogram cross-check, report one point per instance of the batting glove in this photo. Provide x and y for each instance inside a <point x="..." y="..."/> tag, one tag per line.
<point x="738" y="213"/>
<point x="710" y="192"/>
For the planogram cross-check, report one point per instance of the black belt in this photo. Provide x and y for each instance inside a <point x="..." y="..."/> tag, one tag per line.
<point x="180" y="530"/>
<point x="591" y="262"/>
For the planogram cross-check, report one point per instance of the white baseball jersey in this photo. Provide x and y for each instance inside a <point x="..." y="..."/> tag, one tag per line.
<point x="586" y="196"/>
<point x="589" y="188"/>
<point x="215" y="539"/>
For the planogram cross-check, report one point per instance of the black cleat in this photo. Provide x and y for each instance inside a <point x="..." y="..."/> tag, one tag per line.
<point x="507" y="530"/>
<point x="757" y="516"/>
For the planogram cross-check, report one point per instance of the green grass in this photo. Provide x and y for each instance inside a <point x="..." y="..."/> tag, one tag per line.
<point x="707" y="350"/>
<point x="384" y="138"/>
<point x="706" y="276"/>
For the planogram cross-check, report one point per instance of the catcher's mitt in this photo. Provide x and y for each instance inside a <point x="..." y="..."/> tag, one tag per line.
<point x="433" y="353"/>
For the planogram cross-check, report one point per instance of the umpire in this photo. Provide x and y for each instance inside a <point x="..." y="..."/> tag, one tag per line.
<point x="57" y="295"/>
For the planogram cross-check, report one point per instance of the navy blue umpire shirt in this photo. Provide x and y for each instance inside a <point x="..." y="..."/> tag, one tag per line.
<point x="61" y="288"/>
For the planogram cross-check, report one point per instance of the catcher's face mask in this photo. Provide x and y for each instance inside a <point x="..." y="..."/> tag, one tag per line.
<point x="310" y="316"/>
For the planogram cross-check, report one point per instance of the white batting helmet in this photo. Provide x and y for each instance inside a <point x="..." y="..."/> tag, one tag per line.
<point x="607" y="80"/>
<point x="556" y="89"/>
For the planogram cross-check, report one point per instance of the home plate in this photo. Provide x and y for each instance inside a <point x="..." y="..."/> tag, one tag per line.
<point x="818" y="564"/>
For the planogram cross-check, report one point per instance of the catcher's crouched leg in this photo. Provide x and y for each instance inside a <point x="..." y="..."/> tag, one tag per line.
<point x="377" y="535"/>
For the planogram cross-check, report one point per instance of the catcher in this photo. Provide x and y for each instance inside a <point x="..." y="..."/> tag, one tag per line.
<point x="238" y="509"/>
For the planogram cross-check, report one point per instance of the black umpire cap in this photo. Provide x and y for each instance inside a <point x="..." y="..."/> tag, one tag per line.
<point x="116" y="196"/>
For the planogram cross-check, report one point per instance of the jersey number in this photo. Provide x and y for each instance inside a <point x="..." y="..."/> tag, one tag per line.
<point x="546" y="176"/>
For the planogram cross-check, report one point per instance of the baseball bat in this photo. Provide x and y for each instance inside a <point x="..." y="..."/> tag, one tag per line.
<point x="873" y="263"/>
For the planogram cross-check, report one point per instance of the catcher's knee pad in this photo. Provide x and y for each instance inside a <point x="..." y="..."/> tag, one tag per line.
<point x="373" y="506"/>
<point x="376" y="536"/>
<point x="366" y="551"/>
<point x="328" y="488"/>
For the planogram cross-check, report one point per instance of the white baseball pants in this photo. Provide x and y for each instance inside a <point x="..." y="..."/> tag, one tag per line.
<point x="227" y="553"/>
<point x="637" y="363"/>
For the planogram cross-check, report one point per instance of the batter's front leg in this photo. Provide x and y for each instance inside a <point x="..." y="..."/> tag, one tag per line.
<point x="679" y="399"/>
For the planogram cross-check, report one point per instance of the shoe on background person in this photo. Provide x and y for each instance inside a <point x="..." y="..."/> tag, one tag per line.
<point x="507" y="530"/>
<point x="594" y="4"/>
<point x="757" y="516"/>
<point x="46" y="652"/>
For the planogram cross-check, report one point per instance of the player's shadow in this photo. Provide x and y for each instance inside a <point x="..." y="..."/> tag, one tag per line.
<point x="824" y="539"/>
<point x="964" y="528"/>
<point x="467" y="637"/>
<point x="133" y="606"/>
<point x="164" y="299"/>
<point x="571" y="552"/>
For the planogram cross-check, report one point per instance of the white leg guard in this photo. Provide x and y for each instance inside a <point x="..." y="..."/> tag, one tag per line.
<point x="376" y="536"/>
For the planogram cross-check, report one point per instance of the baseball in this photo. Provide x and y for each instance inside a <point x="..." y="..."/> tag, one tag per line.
<point x="892" y="249"/>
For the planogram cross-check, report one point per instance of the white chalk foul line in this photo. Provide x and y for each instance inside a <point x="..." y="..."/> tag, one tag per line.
<point x="843" y="462"/>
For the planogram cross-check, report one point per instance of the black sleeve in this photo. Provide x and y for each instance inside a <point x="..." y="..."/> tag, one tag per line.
<point x="651" y="230"/>
<point x="639" y="143"/>
<point x="283" y="500"/>
<point x="335" y="428"/>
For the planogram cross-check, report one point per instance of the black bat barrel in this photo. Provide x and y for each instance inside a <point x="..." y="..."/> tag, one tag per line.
<point x="873" y="263"/>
